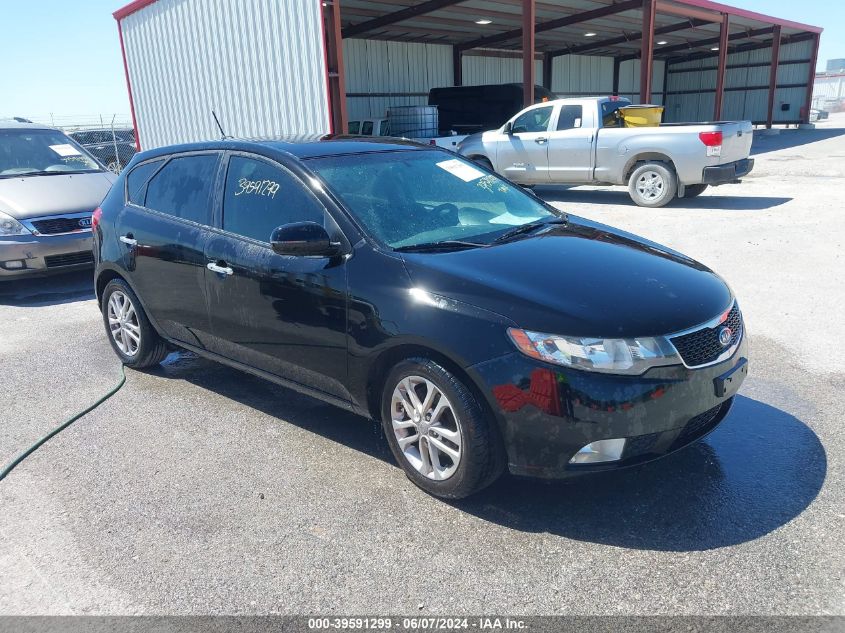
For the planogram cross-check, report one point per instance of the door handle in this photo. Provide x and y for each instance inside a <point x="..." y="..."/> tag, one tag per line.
<point x="216" y="268"/>
<point x="540" y="140"/>
<point x="129" y="240"/>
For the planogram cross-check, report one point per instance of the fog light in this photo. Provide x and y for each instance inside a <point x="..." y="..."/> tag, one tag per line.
<point x="601" y="451"/>
<point x="14" y="264"/>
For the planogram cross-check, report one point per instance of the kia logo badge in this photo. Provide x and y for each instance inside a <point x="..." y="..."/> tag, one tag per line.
<point x="85" y="223"/>
<point x="725" y="336"/>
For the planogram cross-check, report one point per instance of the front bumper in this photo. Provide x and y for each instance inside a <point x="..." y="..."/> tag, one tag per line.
<point x="729" y="172"/>
<point x="548" y="413"/>
<point x="44" y="254"/>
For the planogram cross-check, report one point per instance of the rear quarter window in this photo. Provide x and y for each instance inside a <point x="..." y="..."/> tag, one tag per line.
<point x="183" y="188"/>
<point x="136" y="181"/>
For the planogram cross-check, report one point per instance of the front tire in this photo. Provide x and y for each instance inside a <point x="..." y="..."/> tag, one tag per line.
<point x="130" y="333"/>
<point x="437" y="430"/>
<point x="652" y="185"/>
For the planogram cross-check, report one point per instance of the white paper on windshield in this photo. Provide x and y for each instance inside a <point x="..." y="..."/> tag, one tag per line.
<point x="65" y="150"/>
<point x="465" y="172"/>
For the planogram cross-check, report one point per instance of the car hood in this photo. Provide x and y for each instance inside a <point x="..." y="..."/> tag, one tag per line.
<point x="579" y="279"/>
<point x="34" y="196"/>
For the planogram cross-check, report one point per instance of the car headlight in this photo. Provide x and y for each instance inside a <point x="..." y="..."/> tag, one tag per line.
<point x="10" y="226"/>
<point x="630" y="356"/>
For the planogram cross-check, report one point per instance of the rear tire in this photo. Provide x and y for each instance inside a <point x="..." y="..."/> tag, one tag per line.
<point x="652" y="185"/>
<point x="438" y="432"/>
<point x="691" y="191"/>
<point x="130" y="332"/>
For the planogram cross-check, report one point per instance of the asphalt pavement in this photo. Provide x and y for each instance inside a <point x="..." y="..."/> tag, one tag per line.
<point x="198" y="489"/>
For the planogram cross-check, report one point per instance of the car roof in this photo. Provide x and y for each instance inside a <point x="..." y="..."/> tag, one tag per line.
<point x="16" y="125"/>
<point x="299" y="146"/>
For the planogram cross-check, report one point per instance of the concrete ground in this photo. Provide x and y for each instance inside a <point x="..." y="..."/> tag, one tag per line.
<point x="197" y="489"/>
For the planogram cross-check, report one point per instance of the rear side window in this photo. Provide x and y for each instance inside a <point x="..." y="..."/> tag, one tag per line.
<point x="183" y="187"/>
<point x="354" y="127"/>
<point x="367" y="128"/>
<point x="260" y="197"/>
<point x="570" y="117"/>
<point x="137" y="179"/>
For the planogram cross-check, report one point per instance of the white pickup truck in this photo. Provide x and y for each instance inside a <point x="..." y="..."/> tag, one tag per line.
<point x="580" y="142"/>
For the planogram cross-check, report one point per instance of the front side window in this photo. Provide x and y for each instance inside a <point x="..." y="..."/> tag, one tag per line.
<point x="32" y="152"/>
<point x="536" y="120"/>
<point x="136" y="181"/>
<point x="183" y="188"/>
<point x="570" y="117"/>
<point x="405" y="198"/>
<point x="259" y="197"/>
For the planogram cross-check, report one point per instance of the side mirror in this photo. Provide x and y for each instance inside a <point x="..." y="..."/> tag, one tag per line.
<point x="508" y="128"/>
<point x="304" y="239"/>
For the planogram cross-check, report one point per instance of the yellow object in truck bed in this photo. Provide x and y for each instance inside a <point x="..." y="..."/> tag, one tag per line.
<point x="641" y="115"/>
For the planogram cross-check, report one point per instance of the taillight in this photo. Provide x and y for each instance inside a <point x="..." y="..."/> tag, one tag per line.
<point x="710" y="139"/>
<point x="95" y="218"/>
<point x="432" y="142"/>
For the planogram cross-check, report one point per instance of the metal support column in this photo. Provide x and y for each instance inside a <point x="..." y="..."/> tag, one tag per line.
<point x="528" y="19"/>
<point x="548" y="60"/>
<point x="334" y="66"/>
<point x="457" y="66"/>
<point x="616" y="64"/>
<point x="647" y="51"/>
<point x="723" y="68"/>
<point x="773" y="76"/>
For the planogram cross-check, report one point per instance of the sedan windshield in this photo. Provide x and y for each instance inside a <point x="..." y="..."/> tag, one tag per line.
<point x="26" y="152"/>
<point x="411" y="198"/>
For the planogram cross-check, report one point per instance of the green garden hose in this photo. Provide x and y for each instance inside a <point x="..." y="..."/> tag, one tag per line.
<point x="29" y="451"/>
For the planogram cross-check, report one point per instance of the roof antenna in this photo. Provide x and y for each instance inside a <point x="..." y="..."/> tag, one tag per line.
<point x="219" y="127"/>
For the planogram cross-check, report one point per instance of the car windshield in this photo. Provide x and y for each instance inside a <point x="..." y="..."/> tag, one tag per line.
<point x="26" y="152"/>
<point x="408" y="198"/>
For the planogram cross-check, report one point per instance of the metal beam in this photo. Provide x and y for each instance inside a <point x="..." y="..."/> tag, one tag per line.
<point x="548" y="60"/>
<point x="457" y="67"/>
<point x="397" y="16"/>
<point x="647" y="50"/>
<point x="722" y="69"/>
<point x="630" y="37"/>
<point x="773" y="76"/>
<point x="569" y="20"/>
<point x="811" y="78"/>
<point x="741" y="35"/>
<point x="687" y="11"/>
<point x="616" y="64"/>
<point x="528" y="18"/>
<point x="748" y="46"/>
<point x="334" y="66"/>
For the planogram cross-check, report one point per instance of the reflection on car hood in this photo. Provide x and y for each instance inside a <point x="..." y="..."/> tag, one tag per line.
<point x="33" y="196"/>
<point x="580" y="279"/>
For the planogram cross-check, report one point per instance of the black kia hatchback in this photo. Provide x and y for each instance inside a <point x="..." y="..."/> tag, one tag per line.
<point x="484" y="329"/>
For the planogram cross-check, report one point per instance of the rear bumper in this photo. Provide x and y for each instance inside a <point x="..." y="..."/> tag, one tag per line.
<point x="32" y="255"/>
<point x="548" y="413"/>
<point x="728" y="172"/>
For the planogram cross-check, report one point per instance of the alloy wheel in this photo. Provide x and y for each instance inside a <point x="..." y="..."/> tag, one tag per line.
<point x="427" y="430"/>
<point x="650" y="185"/>
<point x="123" y="323"/>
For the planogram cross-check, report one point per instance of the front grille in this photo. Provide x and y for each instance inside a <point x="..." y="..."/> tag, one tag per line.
<point x="69" y="259"/>
<point x="703" y="346"/>
<point x="51" y="226"/>
<point x="697" y="426"/>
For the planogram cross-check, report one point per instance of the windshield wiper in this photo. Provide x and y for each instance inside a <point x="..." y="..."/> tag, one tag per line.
<point x="445" y="245"/>
<point x="527" y="228"/>
<point x="25" y="174"/>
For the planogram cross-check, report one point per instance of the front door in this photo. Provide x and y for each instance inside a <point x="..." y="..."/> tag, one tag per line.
<point x="164" y="228"/>
<point x="281" y="314"/>
<point x="522" y="155"/>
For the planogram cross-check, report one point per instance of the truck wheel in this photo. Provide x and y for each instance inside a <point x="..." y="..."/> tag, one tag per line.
<point x="480" y="160"/>
<point x="691" y="191"/>
<point x="438" y="432"/>
<point x="652" y="185"/>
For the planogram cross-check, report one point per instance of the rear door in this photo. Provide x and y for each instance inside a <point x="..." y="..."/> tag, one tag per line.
<point x="163" y="228"/>
<point x="284" y="315"/>
<point x="522" y="155"/>
<point x="571" y="145"/>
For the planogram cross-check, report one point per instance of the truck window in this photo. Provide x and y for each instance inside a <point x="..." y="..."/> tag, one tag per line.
<point x="354" y="127"/>
<point x="367" y="128"/>
<point x="570" y="117"/>
<point x="536" y="120"/>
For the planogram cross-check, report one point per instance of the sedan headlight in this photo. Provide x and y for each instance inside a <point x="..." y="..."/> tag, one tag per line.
<point x="630" y="356"/>
<point x="10" y="226"/>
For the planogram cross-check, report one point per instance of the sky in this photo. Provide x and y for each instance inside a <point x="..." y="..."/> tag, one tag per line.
<point x="60" y="59"/>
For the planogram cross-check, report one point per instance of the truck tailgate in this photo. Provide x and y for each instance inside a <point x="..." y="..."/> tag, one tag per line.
<point x="736" y="141"/>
